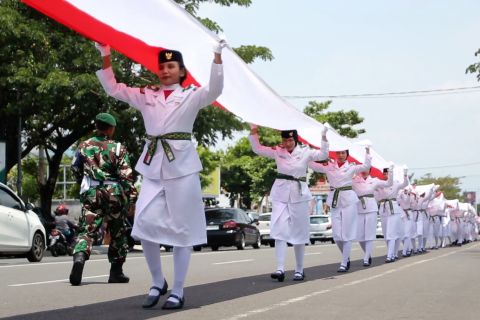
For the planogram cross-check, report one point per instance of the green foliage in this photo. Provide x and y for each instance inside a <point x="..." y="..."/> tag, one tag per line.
<point x="250" y="53"/>
<point x="342" y="121"/>
<point x="475" y="67"/>
<point x="29" y="179"/>
<point x="450" y="186"/>
<point x="192" y="6"/>
<point x="210" y="161"/>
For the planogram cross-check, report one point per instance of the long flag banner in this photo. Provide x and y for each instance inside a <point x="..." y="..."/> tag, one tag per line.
<point x="140" y="29"/>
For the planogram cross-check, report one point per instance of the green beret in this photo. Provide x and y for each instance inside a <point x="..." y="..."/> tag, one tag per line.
<point x="107" y="118"/>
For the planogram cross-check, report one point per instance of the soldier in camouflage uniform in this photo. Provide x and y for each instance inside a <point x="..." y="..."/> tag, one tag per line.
<point x="107" y="195"/>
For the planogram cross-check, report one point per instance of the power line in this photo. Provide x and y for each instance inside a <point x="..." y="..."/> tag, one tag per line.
<point x="449" y="166"/>
<point x="400" y="94"/>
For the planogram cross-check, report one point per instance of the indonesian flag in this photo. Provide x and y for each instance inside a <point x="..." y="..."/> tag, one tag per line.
<point x="140" y="29"/>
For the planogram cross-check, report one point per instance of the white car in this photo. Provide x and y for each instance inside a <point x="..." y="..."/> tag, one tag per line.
<point x="21" y="232"/>
<point x="264" y="228"/>
<point x="321" y="228"/>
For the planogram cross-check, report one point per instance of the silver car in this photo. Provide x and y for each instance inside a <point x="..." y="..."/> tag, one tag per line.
<point x="21" y="232"/>
<point x="321" y="228"/>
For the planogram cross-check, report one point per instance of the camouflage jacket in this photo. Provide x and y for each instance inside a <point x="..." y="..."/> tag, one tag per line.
<point x="102" y="159"/>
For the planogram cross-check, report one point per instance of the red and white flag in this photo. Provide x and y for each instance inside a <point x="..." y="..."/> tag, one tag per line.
<point x="140" y="29"/>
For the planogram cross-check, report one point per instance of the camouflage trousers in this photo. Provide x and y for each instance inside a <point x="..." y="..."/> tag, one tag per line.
<point x="101" y="207"/>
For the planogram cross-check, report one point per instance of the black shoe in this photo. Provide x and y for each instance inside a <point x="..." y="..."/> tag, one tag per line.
<point x="77" y="269"/>
<point x="348" y="264"/>
<point x="278" y="275"/>
<point x="342" y="269"/>
<point x="390" y="260"/>
<point x="299" y="276"/>
<point x="116" y="274"/>
<point x="367" y="263"/>
<point x="151" y="301"/>
<point x="171" y="305"/>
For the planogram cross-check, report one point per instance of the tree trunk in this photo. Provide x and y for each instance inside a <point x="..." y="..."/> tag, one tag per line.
<point x="47" y="189"/>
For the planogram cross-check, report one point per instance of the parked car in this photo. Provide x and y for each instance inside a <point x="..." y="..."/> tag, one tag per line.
<point x="321" y="228"/>
<point x="264" y="228"/>
<point x="253" y="215"/>
<point x="379" y="228"/>
<point x="231" y="227"/>
<point x="21" y="232"/>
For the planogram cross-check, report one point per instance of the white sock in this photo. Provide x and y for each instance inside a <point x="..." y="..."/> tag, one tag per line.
<point x="299" y="256"/>
<point x="347" y="247"/>
<point x="280" y="252"/>
<point x="368" y="250"/>
<point x="362" y="245"/>
<point x="181" y="261"/>
<point x="424" y="243"/>
<point x="151" y="251"/>
<point x="391" y="249"/>
<point x="406" y="246"/>
<point x="397" y="247"/>
<point x="339" y="245"/>
<point x="414" y="244"/>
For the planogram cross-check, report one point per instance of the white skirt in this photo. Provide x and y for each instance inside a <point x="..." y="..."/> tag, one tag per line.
<point x="344" y="223"/>
<point x="171" y="212"/>
<point x="367" y="226"/>
<point x="290" y="222"/>
<point x="436" y="225"/>
<point x="393" y="227"/>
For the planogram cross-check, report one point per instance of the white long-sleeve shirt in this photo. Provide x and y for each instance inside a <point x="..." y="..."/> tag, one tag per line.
<point x="368" y="186"/>
<point x="293" y="164"/>
<point x="339" y="177"/>
<point x="385" y="195"/>
<point x="176" y="113"/>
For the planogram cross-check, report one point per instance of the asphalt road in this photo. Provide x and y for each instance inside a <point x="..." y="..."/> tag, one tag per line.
<point x="232" y="284"/>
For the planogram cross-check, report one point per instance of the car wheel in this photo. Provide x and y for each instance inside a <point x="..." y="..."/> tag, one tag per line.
<point x="214" y="248"/>
<point x="241" y="242"/>
<point x="197" y="248"/>
<point x="257" y="244"/>
<point x="312" y="241"/>
<point x="38" y="247"/>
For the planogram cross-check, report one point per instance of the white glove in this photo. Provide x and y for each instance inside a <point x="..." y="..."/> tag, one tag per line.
<point x="390" y="169"/>
<point x="219" y="46"/>
<point x="324" y="131"/>
<point x="104" y="49"/>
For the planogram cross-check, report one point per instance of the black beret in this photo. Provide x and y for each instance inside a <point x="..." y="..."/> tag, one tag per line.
<point x="170" y="55"/>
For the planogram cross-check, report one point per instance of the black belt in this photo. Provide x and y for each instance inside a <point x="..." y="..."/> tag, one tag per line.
<point x="362" y="199"/>
<point x="292" y="178"/>
<point x="390" y="202"/>
<point x="152" y="145"/>
<point x="406" y="213"/>
<point x="336" y="193"/>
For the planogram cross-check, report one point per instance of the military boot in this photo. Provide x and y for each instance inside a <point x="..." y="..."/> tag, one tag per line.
<point x="116" y="273"/>
<point x="77" y="269"/>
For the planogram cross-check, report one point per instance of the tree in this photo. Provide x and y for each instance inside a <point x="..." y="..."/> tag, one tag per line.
<point x="450" y="186"/>
<point x="47" y="83"/>
<point x="475" y="67"/>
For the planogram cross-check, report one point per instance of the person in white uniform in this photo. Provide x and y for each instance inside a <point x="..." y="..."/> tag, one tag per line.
<point x="391" y="215"/>
<point x="405" y="199"/>
<point x="343" y="200"/>
<point x="290" y="196"/>
<point x="436" y="211"/>
<point x="364" y="186"/>
<point x="170" y="208"/>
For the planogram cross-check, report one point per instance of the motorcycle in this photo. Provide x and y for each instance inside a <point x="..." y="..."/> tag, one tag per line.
<point x="58" y="244"/>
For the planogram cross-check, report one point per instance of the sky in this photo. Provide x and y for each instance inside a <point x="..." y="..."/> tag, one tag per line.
<point x="324" y="48"/>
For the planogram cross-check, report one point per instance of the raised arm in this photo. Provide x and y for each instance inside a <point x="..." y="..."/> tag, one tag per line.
<point x="133" y="96"/>
<point x="322" y="154"/>
<point x="256" y="146"/>
<point x="209" y="93"/>
<point x="385" y="184"/>
<point x="367" y="163"/>
<point x="405" y="179"/>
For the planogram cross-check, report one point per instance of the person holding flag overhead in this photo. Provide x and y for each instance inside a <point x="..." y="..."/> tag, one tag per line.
<point x="290" y="196"/>
<point x="169" y="164"/>
<point x="343" y="200"/>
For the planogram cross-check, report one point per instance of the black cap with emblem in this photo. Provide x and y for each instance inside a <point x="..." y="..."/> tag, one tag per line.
<point x="170" y="55"/>
<point x="290" y="134"/>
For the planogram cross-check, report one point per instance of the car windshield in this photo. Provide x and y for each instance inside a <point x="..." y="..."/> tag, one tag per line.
<point x="219" y="215"/>
<point x="318" y="220"/>
<point x="264" y="217"/>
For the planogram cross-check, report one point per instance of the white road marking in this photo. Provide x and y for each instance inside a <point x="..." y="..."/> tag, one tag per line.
<point x="53" y="281"/>
<point x="313" y="253"/>
<point x="236" y="261"/>
<point x="380" y="246"/>
<point x="352" y="283"/>
<point x="60" y="262"/>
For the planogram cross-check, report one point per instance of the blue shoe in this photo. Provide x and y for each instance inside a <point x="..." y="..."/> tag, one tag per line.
<point x="172" y="305"/>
